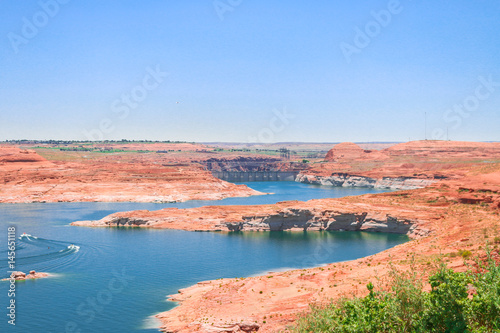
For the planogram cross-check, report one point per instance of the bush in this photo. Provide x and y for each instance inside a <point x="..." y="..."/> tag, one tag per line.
<point x="377" y="312"/>
<point x="374" y="313"/>
<point x="457" y="302"/>
<point x="445" y="303"/>
<point x="483" y="311"/>
<point x="465" y="253"/>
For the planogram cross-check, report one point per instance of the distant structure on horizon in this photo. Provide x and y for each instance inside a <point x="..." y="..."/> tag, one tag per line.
<point x="284" y="153"/>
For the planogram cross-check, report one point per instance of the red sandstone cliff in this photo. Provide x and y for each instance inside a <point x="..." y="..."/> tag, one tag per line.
<point x="27" y="177"/>
<point x="417" y="159"/>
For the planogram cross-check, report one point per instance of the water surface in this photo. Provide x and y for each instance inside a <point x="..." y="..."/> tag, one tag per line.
<point x="115" y="279"/>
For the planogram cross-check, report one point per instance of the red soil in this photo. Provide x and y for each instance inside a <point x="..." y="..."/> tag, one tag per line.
<point x="27" y="177"/>
<point x="420" y="159"/>
<point x="348" y="151"/>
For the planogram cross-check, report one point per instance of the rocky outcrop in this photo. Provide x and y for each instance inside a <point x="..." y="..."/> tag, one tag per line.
<point x="28" y="177"/>
<point x="346" y="180"/>
<point x="330" y="220"/>
<point x="428" y="159"/>
<point x="230" y="328"/>
<point x="19" y="276"/>
<point x="345" y="150"/>
<point x="314" y="215"/>
<point x="12" y="155"/>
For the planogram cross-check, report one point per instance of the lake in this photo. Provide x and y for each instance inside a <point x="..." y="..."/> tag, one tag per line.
<point x="116" y="279"/>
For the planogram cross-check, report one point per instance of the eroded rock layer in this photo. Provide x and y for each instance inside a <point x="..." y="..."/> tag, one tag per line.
<point x="314" y="215"/>
<point x="403" y="166"/>
<point x="27" y="177"/>
<point x="346" y="180"/>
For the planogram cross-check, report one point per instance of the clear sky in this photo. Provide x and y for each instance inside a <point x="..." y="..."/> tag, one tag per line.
<point x="250" y="70"/>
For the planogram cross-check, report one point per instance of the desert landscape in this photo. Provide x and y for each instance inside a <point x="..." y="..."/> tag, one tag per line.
<point x="74" y="176"/>
<point x="457" y="210"/>
<point x="444" y="195"/>
<point x="233" y="166"/>
<point x="446" y="219"/>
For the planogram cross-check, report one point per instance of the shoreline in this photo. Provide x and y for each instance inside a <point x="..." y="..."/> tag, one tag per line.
<point x="458" y="213"/>
<point x="270" y="302"/>
<point x="29" y="178"/>
<point x="242" y="192"/>
<point x="135" y="200"/>
<point x="352" y="180"/>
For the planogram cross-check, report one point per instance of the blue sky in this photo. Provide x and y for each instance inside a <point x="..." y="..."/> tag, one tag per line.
<point x="241" y="70"/>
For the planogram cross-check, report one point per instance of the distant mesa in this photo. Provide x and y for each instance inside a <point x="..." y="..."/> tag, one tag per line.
<point x="16" y="155"/>
<point x="348" y="151"/>
<point x="345" y="151"/>
<point x="424" y="159"/>
<point x="455" y="148"/>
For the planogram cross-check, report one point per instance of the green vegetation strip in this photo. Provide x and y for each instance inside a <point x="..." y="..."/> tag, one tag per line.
<point x="458" y="302"/>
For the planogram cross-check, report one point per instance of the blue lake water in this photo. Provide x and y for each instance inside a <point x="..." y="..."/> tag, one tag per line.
<point x="119" y="277"/>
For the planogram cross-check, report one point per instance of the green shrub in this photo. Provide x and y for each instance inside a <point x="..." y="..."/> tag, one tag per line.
<point x="446" y="301"/>
<point x="464" y="253"/>
<point x="483" y="311"/>
<point x="374" y="313"/>
<point x="458" y="302"/>
<point x="377" y="312"/>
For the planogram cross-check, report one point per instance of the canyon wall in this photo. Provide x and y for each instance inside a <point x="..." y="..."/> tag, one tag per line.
<point x="112" y="177"/>
<point x="318" y="220"/>
<point x="248" y="169"/>
<point x="457" y="215"/>
<point x="346" y="180"/>
<point x="404" y="166"/>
